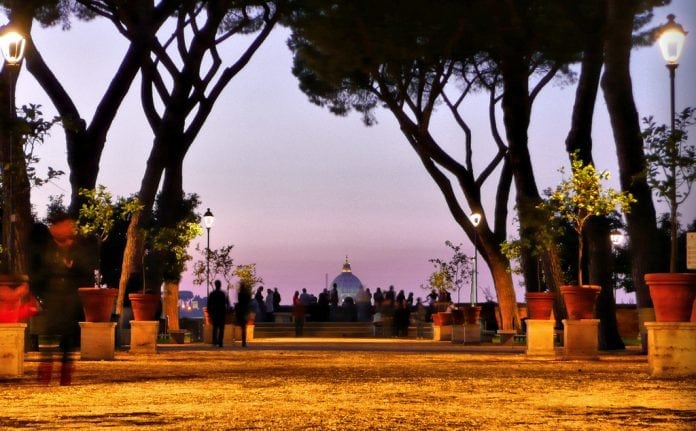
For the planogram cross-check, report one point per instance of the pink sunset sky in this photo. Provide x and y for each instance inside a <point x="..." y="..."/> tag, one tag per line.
<point x="297" y="189"/>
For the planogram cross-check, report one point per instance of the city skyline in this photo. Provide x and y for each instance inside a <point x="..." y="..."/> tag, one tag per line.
<point x="295" y="188"/>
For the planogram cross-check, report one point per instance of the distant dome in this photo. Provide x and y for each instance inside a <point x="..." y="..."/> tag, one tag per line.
<point x="347" y="284"/>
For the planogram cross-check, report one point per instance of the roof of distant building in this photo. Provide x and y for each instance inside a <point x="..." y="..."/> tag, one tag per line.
<point x="347" y="284"/>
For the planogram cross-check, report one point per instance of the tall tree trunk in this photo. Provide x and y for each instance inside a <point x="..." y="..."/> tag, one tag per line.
<point x="16" y="209"/>
<point x="487" y="242"/>
<point x="170" y="304"/>
<point x="504" y="287"/>
<point x="16" y="191"/>
<point x="618" y="94"/>
<point x="133" y="253"/>
<point x="579" y="140"/>
<point x="516" y="105"/>
<point x="599" y="247"/>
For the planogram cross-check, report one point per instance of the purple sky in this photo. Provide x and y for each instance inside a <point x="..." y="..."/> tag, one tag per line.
<point x="296" y="189"/>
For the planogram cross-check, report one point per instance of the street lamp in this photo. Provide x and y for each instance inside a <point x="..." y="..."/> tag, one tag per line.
<point x="617" y="238"/>
<point x="208" y="220"/>
<point x="475" y="219"/>
<point x="671" y="41"/>
<point x="12" y="45"/>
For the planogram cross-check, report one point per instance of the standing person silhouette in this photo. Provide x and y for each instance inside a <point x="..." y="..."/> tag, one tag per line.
<point x="241" y="310"/>
<point x="217" y="308"/>
<point x="298" y="313"/>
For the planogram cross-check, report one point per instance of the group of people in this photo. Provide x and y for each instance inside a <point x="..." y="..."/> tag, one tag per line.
<point x="219" y="305"/>
<point x="384" y="305"/>
<point x="388" y="305"/>
<point x="265" y="307"/>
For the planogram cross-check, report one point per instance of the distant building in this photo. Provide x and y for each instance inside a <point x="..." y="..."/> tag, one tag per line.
<point x="190" y="305"/>
<point x="347" y="284"/>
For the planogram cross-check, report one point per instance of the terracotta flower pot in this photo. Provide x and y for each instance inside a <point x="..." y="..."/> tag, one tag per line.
<point x="13" y="290"/>
<point x="539" y="305"/>
<point x="206" y="316"/>
<point x="472" y="314"/>
<point x="673" y="295"/>
<point x="580" y="300"/>
<point x="144" y="305"/>
<point x="442" y="319"/>
<point x="97" y="303"/>
<point x="458" y="316"/>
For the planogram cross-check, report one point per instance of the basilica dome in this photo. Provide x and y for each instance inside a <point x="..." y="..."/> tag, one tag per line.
<point x="347" y="284"/>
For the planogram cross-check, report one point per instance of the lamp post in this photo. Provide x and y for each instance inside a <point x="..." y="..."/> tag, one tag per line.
<point x="475" y="219"/>
<point x="617" y="238"/>
<point x="671" y="41"/>
<point x="208" y="220"/>
<point x="12" y="45"/>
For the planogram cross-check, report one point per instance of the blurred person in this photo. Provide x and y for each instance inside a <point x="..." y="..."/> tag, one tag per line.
<point x="276" y="299"/>
<point x="241" y="309"/>
<point x="269" y="306"/>
<point x="298" y="313"/>
<point x="217" y="309"/>
<point x="63" y="265"/>
<point x="421" y="318"/>
<point x="260" y="305"/>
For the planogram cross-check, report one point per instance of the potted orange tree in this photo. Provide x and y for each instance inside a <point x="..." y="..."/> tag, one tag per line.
<point x="169" y="244"/>
<point x="539" y="302"/>
<point x="671" y="173"/>
<point x="95" y="220"/>
<point x="576" y="200"/>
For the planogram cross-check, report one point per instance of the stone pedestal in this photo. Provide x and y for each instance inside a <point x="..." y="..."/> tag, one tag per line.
<point x="540" y="338"/>
<point x="207" y="334"/>
<point x="507" y="336"/>
<point x="645" y="315"/>
<point x="143" y="336"/>
<point x="671" y="348"/>
<point x="466" y="333"/>
<point x="12" y="349"/>
<point x="581" y="339"/>
<point x="97" y="341"/>
<point x="442" y="333"/>
<point x="232" y="333"/>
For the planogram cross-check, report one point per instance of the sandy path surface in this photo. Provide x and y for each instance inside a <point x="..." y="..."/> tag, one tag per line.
<point x="280" y="384"/>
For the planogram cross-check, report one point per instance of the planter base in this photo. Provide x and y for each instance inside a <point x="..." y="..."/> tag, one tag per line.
<point x="671" y="349"/>
<point x="97" y="341"/>
<point x="581" y="339"/>
<point x="233" y="333"/>
<point x="143" y="336"/>
<point x="466" y="334"/>
<point x="645" y="315"/>
<point x="540" y="338"/>
<point x="442" y="333"/>
<point x="208" y="333"/>
<point x="12" y="349"/>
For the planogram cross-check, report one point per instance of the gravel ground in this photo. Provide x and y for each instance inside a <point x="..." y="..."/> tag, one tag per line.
<point x="329" y="384"/>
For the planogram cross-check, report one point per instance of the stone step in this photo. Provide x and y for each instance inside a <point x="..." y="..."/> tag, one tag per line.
<point x="331" y="330"/>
